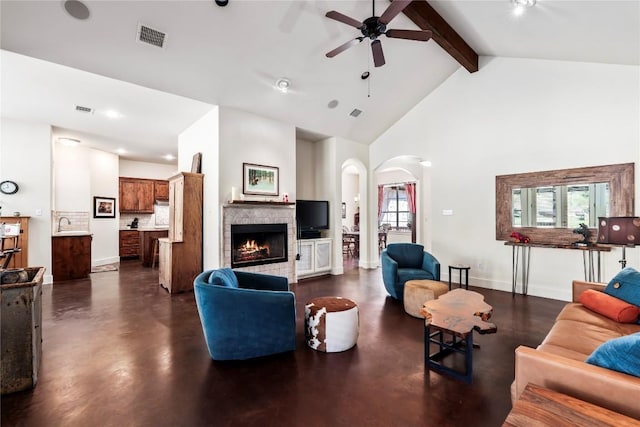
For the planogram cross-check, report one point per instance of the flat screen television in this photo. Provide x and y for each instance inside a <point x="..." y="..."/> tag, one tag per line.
<point x="312" y="215"/>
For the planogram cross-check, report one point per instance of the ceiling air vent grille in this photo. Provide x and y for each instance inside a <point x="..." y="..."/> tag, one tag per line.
<point x="355" y="112"/>
<point x="150" y="36"/>
<point x="81" y="109"/>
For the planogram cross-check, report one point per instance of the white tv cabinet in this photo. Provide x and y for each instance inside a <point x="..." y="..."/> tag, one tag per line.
<point x="315" y="257"/>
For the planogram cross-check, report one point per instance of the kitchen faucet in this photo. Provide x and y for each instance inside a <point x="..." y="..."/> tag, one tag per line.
<point x="60" y="221"/>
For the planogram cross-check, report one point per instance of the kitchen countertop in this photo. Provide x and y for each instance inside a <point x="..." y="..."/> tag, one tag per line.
<point x="159" y="228"/>
<point x="71" y="234"/>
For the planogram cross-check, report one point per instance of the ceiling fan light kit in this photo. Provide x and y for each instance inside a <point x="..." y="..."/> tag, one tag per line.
<point x="375" y="26"/>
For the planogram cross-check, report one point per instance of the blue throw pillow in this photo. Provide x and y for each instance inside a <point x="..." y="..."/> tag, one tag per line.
<point x="619" y="354"/>
<point x="224" y="277"/>
<point x="625" y="286"/>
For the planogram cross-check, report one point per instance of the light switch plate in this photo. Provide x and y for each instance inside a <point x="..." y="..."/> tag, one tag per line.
<point x="447" y="212"/>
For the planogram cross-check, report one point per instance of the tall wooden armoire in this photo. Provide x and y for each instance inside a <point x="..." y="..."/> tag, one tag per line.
<point x="181" y="252"/>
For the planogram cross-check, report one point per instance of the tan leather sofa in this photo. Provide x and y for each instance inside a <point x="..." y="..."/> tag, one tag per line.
<point x="558" y="363"/>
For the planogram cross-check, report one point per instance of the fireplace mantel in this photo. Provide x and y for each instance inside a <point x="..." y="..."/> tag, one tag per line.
<point x="258" y="203"/>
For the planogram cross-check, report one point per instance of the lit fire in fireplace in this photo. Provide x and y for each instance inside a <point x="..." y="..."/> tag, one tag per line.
<point x="251" y="250"/>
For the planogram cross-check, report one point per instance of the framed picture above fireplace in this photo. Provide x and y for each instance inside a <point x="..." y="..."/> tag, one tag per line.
<point x="260" y="180"/>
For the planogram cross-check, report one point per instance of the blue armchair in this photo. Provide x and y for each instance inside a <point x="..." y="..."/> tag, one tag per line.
<point x="406" y="261"/>
<point x="245" y="315"/>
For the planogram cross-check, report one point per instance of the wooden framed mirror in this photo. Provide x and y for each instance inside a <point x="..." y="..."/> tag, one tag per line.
<point x="617" y="180"/>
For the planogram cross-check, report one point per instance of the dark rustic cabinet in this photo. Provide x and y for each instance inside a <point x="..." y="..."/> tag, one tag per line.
<point x="136" y="195"/>
<point x="71" y="257"/>
<point x="147" y="240"/>
<point x="129" y="244"/>
<point x="161" y="190"/>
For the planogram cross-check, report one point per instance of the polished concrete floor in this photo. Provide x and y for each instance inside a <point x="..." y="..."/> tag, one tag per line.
<point x="119" y="351"/>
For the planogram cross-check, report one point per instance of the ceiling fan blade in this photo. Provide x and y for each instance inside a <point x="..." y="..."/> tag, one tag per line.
<point x="393" y="10"/>
<point x="344" y="19"/>
<point x="409" y="34"/>
<point x="343" y="47"/>
<point x="378" y="56"/>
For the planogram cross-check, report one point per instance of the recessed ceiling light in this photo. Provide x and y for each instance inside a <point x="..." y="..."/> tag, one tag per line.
<point x="113" y="114"/>
<point x="170" y="157"/>
<point x="283" y="84"/>
<point x="69" y="142"/>
<point x="333" y="104"/>
<point x="426" y="163"/>
<point x="121" y="151"/>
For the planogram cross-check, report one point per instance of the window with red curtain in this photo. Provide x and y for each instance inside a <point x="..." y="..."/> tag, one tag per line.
<point x="394" y="208"/>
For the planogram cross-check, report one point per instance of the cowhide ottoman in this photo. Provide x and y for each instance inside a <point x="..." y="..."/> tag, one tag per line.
<point x="331" y="324"/>
<point x="417" y="292"/>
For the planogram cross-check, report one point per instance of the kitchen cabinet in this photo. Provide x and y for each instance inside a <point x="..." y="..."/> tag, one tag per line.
<point x="136" y="195"/>
<point x="129" y="244"/>
<point x="181" y="251"/>
<point x="147" y="239"/>
<point x="161" y="190"/>
<point x="71" y="257"/>
<point x="315" y="257"/>
<point x="19" y="259"/>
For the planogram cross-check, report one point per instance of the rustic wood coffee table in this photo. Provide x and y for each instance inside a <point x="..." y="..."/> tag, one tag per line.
<point x="538" y="406"/>
<point x="449" y="323"/>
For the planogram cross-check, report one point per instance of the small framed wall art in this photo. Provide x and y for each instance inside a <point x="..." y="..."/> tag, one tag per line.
<point x="104" y="207"/>
<point x="260" y="180"/>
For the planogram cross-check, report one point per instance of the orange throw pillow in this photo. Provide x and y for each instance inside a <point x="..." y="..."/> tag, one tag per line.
<point x="611" y="307"/>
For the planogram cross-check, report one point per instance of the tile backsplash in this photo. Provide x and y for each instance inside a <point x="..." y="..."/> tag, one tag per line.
<point x="77" y="221"/>
<point x="160" y="217"/>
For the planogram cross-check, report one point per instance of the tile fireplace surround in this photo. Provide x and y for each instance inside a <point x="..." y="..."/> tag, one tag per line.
<point x="261" y="214"/>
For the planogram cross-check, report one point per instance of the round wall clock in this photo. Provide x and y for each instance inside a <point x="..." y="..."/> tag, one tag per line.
<point x="8" y="187"/>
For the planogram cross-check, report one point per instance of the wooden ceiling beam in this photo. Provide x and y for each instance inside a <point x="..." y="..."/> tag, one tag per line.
<point x="426" y="17"/>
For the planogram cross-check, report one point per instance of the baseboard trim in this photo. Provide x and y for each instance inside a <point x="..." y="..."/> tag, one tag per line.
<point x="104" y="261"/>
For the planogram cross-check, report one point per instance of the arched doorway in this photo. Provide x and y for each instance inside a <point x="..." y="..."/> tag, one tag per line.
<point x="393" y="180"/>
<point x="354" y="214"/>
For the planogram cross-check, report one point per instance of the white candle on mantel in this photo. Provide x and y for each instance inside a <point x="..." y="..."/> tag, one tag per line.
<point x="234" y="194"/>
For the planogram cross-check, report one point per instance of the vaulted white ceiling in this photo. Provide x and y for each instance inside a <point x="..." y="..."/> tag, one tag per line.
<point x="232" y="56"/>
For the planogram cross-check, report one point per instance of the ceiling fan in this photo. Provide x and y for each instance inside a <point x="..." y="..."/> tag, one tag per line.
<point x="374" y="27"/>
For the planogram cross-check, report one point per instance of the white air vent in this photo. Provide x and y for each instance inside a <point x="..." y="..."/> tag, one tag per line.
<point x="150" y="36"/>
<point x="81" y="109"/>
<point x="355" y="112"/>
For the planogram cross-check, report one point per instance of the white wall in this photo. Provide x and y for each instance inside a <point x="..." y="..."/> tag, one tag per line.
<point x="103" y="176"/>
<point x="26" y="157"/>
<point x="249" y="138"/>
<point x="514" y="115"/>
<point x="72" y="184"/>
<point x="305" y="170"/>
<point x="203" y="137"/>
<point x="133" y="169"/>
<point x="80" y="174"/>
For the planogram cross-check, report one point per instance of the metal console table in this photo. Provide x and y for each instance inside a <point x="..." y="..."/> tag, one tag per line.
<point x="521" y="254"/>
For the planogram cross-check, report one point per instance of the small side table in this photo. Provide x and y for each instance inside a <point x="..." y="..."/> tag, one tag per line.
<point x="461" y="268"/>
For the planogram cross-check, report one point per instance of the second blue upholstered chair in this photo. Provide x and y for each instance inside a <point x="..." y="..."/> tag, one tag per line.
<point x="406" y="261"/>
